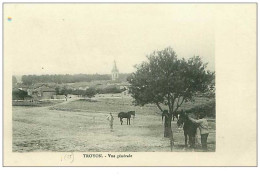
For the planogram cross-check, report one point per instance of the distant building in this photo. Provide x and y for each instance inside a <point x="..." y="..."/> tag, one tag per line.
<point x="48" y="93"/>
<point x="42" y="92"/>
<point x="115" y="72"/>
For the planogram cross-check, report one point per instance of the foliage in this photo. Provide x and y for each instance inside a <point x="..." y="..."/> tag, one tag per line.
<point x="32" y="79"/>
<point x="90" y="92"/>
<point x="109" y="89"/>
<point x="167" y="80"/>
<point x="164" y="79"/>
<point x="19" y="94"/>
<point x="65" y="91"/>
<point x="57" y="90"/>
<point x="208" y="109"/>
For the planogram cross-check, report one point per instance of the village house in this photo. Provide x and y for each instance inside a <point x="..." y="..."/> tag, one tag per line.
<point x="42" y="92"/>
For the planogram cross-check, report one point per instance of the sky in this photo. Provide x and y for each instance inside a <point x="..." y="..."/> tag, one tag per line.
<point x="87" y="38"/>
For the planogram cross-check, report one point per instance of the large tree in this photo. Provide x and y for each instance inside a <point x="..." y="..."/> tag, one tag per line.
<point x="166" y="81"/>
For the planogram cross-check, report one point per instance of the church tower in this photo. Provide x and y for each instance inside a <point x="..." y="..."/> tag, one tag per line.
<point x="115" y="72"/>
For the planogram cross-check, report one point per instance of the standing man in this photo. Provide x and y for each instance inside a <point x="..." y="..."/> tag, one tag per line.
<point x="204" y="129"/>
<point x="198" y="136"/>
<point x="180" y="127"/>
<point x="110" y="118"/>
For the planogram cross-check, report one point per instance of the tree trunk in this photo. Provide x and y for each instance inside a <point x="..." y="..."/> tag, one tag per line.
<point x="167" y="126"/>
<point x="168" y="130"/>
<point x="165" y="129"/>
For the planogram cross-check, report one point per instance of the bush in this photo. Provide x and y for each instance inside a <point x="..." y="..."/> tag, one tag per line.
<point x="93" y="91"/>
<point x="87" y="100"/>
<point x="110" y="89"/>
<point x="90" y="92"/>
<point x="19" y="95"/>
<point x="208" y="110"/>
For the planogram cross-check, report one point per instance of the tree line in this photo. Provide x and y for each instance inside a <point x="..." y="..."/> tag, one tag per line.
<point x="67" y="78"/>
<point x="90" y="92"/>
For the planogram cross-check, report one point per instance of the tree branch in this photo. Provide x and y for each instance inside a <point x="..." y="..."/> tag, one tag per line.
<point x="181" y="101"/>
<point x="178" y="101"/>
<point x="178" y="105"/>
<point x="159" y="106"/>
<point x="169" y="102"/>
<point x="173" y="102"/>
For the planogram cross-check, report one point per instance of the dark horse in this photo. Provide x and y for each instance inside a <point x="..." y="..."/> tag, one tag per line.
<point x="126" y="115"/>
<point x="189" y="128"/>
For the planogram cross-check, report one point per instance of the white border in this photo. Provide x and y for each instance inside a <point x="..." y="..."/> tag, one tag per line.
<point x="127" y="175"/>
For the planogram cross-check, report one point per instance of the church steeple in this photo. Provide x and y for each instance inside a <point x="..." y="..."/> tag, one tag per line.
<point x="115" y="67"/>
<point x="115" y="72"/>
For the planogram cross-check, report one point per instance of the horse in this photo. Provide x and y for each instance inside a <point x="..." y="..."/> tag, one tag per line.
<point x="132" y="113"/>
<point x="126" y="115"/>
<point x="189" y="128"/>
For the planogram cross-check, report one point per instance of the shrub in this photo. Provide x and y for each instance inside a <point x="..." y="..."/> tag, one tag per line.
<point x="208" y="109"/>
<point x="109" y="89"/>
<point x="90" y="92"/>
<point x="19" y="95"/>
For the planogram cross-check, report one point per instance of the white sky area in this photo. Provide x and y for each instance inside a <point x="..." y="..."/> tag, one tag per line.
<point x="87" y="38"/>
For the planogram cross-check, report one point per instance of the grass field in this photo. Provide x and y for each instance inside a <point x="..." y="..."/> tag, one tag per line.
<point x="36" y="103"/>
<point x="79" y="125"/>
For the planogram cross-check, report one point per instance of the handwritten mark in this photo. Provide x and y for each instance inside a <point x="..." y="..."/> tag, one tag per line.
<point x="68" y="157"/>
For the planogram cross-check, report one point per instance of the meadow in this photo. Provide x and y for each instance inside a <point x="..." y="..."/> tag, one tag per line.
<point x="80" y="125"/>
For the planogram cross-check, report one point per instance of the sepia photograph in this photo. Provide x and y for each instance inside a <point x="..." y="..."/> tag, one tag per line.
<point x="120" y="81"/>
<point x="125" y="78"/>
